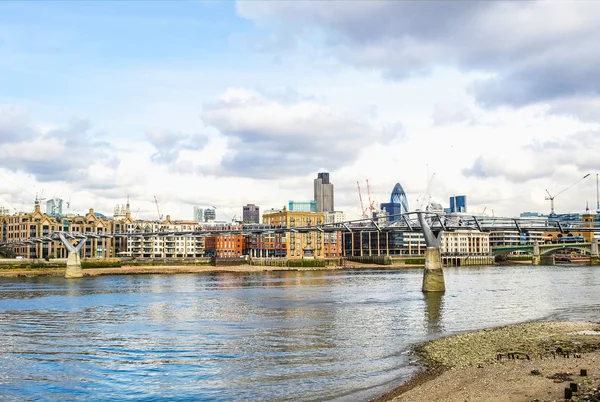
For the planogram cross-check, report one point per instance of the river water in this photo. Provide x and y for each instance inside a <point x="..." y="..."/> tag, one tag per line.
<point x="272" y="336"/>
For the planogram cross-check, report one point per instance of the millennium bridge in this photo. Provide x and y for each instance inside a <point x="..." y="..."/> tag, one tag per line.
<point x="430" y="224"/>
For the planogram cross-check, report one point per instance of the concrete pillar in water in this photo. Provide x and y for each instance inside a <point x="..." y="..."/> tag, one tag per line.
<point x="536" y="259"/>
<point x="547" y="259"/>
<point x="73" y="266"/>
<point x="433" y="275"/>
<point x="74" y="269"/>
<point x="594" y="254"/>
<point x="594" y="248"/>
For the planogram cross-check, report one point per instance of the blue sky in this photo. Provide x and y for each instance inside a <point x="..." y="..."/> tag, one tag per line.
<point x="228" y="103"/>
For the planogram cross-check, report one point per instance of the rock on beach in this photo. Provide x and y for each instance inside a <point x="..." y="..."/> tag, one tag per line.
<point x="509" y="363"/>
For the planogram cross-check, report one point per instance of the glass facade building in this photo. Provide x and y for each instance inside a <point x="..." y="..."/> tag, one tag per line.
<point x="398" y="204"/>
<point x="458" y="203"/>
<point x="198" y="214"/>
<point x="303" y="206"/>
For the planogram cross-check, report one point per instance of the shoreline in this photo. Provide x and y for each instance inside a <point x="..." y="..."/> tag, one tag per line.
<point x="476" y="366"/>
<point x="182" y="269"/>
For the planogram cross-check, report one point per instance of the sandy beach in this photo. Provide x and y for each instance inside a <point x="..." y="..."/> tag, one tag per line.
<point x="158" y="269"/>
<point x="525" y="362"/>
<point x="184" y="269"/>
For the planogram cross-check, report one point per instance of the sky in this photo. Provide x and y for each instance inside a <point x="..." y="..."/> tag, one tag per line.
<point x="228" y="103"/>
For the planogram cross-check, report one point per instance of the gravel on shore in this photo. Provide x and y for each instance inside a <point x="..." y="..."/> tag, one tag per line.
<point x="156" y="269"/>
<point x="510" y="363"/>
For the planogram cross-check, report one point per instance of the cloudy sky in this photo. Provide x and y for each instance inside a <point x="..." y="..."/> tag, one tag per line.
<point x="224" y="103"/>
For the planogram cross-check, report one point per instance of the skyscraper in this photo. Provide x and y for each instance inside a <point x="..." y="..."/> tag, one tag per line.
<point x="251" y="213"/>
<point x="398" y="204"/>
<point x="323" y="193"/>
<point x="198" y="214"/>
<point x="210" y="215"/>
<point x="458" y="203"/>
<point x="54" y="207"/>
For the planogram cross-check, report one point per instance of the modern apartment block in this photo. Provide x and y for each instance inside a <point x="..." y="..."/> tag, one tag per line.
<point x="226" y="245"/>
<point x="169" y="244"/>
<point x="323" y="193"/>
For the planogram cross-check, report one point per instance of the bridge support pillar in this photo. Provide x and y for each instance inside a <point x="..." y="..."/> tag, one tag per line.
<point x="536" y="259"/>
<point x="74" y="269"/>
<point x="547" y="259"/>
<point x="433" y="278"/>
<point x="73" y="266"/>
<point x="594" y="253"/>
<point x="594" y="248"/>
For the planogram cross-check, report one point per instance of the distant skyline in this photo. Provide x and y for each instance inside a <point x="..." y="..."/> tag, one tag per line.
<point x="228" y="103"/>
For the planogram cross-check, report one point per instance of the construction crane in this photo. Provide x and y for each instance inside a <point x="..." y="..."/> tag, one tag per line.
<point x="426" y="197"/>
<point x="233" y="220"/>
<point x="597" y="196"/>
<point x="69" y="203"/>
<point x="551" y="197"/>
<point x="362" y="206"/>
<point x="371" y="202"/>
<point x="158" y="209"/>
<point x="40" y="198"/>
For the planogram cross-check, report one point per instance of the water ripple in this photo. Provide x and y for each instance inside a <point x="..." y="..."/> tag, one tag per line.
<point x="276" y="336"/>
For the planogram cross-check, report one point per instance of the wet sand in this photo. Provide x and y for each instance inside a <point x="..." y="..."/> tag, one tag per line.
<point x="480" y="366"/>
<point x="183" y="269"/>
<point x="140" y="270"/>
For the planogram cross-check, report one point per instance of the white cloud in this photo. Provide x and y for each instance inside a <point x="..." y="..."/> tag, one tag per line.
<point x="269" y="138"/>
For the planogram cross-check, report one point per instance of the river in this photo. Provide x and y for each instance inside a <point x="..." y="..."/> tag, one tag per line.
<point x="269" y="336"/>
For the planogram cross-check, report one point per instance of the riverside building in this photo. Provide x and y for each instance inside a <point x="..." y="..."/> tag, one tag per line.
<point x="298" y="245"/>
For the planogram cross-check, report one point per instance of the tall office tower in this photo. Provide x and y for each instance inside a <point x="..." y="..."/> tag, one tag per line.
<point x="398" y="204"/>
<point x="323" y="193"/>
<point x="54" y="207"/>
<point x="251" y="213"/>
<point x="458" y="203"/>
<point x="210" y="215"/>
<point x="198" y="214"/>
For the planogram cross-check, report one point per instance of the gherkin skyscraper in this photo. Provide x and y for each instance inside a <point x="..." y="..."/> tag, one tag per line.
<point x="398" y="203"/>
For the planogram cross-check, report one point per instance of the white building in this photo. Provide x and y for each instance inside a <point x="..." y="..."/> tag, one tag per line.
<point x="335" y="217"/>
<point x="167" y="244"/>
<point x="465" y="242"/>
